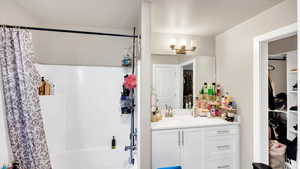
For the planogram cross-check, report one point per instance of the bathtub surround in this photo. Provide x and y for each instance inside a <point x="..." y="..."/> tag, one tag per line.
<point x="83" y="116"/>
<point x="23" y="112"/>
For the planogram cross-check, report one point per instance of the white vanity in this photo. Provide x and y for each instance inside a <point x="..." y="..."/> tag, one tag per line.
<point x="195" y="143"/>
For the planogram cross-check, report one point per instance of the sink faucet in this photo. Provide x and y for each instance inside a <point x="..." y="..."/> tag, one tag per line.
<point x="169" y="110"/>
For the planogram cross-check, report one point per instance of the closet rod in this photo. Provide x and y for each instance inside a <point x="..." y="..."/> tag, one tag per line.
<point x="277" y="59"/>
<point x="69" y="31"/>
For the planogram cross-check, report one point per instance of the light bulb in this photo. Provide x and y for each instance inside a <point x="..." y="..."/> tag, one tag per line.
<point x="172" y="41"/>
<point x="183" y="42"/>
<point x="193" y="44"/>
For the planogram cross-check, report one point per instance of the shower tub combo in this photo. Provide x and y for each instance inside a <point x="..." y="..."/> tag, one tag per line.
<point x="83" y="115"/>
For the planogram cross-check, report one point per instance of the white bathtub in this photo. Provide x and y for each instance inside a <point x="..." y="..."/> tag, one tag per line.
<point x="95" y="158"/>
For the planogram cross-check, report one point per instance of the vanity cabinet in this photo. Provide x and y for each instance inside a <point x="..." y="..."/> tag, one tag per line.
<point x="197" y="148"/>
<point x="165" y="148"/>
<point x="192" y="146"/>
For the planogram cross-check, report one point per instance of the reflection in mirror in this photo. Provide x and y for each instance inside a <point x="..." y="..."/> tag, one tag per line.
<point x="177" y="79"/>
<point x="187" y="83"/>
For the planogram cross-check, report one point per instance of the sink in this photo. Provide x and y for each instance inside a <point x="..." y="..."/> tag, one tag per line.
<point x="187" y="121"/>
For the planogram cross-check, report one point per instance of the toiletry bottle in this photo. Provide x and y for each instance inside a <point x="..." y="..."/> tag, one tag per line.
<point x="153" y="117"/>
<point x="210" y="92"/>
<point x="201" y="93"/>
<point x="42" y="87"/>
<point x="113" y="143"/>
<point x="47" y="88"/>
<point x="214" y="91"/>
<point x="205" y="91"/>
<point x="218" y="92"/>
<point x="223" y="101"/>
<point x="52" y="88"/>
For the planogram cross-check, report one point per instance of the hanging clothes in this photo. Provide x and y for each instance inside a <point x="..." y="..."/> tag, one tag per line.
<point x="23" y="112"/>
<point x="271" y="96"/>
<point x="291" y="151"/>
<point x="188" y="82"/>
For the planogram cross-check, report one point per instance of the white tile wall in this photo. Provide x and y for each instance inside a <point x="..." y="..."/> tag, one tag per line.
<point x="83" y="115"/>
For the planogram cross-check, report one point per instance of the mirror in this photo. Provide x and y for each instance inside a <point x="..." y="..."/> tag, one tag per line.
<point x="177" y="79"/>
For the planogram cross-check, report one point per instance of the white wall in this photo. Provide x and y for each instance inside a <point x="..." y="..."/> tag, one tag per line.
<point x="80" y="49"/>
<point x="12" y="14"/>
<point x="234" y="55"/>
<point x="144" y="131"/>
<point x="83" y="115"/>
<point x="165" y="59"/>
<point x="160" y="43"/>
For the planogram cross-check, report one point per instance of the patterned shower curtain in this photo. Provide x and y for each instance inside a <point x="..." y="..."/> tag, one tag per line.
<point x="23" y="112"/>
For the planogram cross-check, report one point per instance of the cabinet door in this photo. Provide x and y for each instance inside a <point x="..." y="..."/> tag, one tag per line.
<point x="165" y="148"/>
<point x="192" y="143"/>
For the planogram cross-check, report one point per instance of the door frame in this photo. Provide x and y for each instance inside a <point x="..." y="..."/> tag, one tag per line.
<point x="260" y="90"/>
<point x="177" y="80"/>
<point x="193" y="61"/>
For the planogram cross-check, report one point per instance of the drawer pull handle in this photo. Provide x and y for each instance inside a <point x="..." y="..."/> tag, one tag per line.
<point x="222" y="131"/>
<point x="223" y="147"/>
<point x="178" y="138"/>
<point x="224" y="166"/>
<point x="183" y="138"/>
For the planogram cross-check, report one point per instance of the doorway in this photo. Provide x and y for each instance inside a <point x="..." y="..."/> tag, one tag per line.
<point x="262" y="70"/>
<point x="187" y="91"/>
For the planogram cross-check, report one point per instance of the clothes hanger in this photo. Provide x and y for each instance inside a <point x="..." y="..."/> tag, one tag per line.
<point x="271" y="67"/>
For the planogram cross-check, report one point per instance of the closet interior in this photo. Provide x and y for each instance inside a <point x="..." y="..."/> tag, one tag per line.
<point x="283" y="94"/>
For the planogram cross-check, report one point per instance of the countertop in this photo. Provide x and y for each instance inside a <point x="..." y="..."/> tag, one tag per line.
<point x="188" y="121"/>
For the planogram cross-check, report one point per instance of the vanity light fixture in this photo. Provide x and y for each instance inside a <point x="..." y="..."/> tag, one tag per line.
<point x="182" y="50"/>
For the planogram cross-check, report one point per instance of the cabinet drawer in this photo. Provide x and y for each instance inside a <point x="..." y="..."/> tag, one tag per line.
<point x="221" y="131"/>
<point x="220" y="145"/>
<point x="220" y="163"/>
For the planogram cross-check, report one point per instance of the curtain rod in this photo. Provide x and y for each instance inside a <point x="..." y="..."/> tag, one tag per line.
<point x="69" y="31"/>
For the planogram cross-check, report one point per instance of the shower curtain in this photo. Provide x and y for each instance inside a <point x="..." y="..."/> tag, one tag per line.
<point x="23" y="112"/>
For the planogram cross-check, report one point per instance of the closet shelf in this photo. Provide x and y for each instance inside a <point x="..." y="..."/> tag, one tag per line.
<point x="293" y="111"/>
<point x="293" y="91"/>
<point x="293" y="131"/>
<point x="293" y="72"/>
<point x="278" y="111"/>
